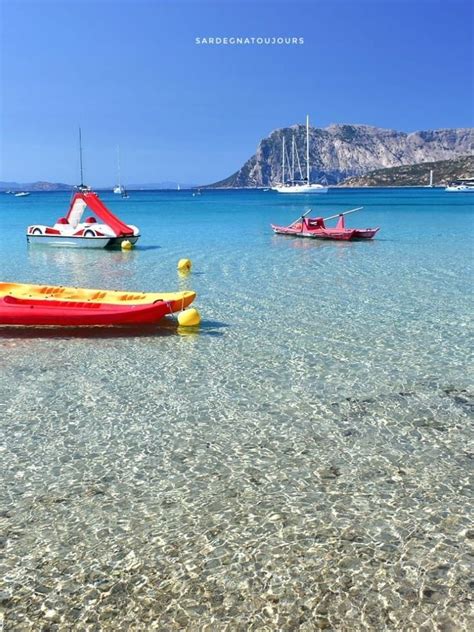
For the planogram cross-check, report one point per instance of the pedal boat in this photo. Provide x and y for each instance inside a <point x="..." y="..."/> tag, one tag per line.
<point x="316" y="228"/>
<point x="43" y="305"/>
<point x="71" y="231"/>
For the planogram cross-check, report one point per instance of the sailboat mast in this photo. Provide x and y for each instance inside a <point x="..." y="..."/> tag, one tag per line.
<point x="293" y="157"/>
<point x="431" y="177"/>
<point x="118" y="166"/>
<point x="283" y="162"/>
<point x="80" y="157"/>
<point x="307" y="148"/>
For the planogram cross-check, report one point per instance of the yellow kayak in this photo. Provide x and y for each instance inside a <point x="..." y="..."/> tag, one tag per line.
<point x="176" y="300"/>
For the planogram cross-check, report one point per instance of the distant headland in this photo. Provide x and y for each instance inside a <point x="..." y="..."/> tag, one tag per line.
<point x="444" y="172"/>
<point x="345" y="155"/>
<point x="339" y="152"/>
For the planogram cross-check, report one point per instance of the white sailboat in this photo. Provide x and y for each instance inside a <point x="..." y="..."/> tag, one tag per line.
<point x="303" y="185"/>
<point x="465" y="185"/>
<point x="118" y="188"/>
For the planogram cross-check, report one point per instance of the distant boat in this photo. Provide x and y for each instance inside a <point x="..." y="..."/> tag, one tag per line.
<point x="118" y="188"/>
<point x="21" y="194"/>
<point x="465" y="185"/>
<point x="431" y="185"/>
<point x="303" y="185"/>
<point x="178" y="188"/>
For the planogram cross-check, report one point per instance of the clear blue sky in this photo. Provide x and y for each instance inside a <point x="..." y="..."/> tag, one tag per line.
<point x="130" y="73"/>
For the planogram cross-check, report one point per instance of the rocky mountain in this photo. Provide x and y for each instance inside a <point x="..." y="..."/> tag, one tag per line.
<point x="444" y="172"/>
<point x="338" y="152"/>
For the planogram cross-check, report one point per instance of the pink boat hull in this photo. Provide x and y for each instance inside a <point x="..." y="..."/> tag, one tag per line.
<point x="334" y="234"/>
<point x="316" y="229"/>
<point x="365" y="233"/>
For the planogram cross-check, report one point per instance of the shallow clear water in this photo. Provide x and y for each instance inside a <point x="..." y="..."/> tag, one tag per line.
<point x="300" y="462"/>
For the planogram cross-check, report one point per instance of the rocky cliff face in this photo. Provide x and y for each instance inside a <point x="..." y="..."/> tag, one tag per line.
<point x="338" y="152"/>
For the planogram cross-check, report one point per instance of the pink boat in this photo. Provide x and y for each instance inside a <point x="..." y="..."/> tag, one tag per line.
<point x="315" y="228"/>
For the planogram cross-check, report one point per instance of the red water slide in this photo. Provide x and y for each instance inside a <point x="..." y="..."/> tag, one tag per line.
<point x="98" y="207"/>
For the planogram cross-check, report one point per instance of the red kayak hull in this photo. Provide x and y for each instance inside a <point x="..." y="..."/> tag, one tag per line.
<point x="31" y="312"/>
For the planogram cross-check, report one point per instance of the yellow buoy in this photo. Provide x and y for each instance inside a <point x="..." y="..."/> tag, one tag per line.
<point x="126" y="245"/>
<point x="184" y="265"/>
<point x="189" y="318"/>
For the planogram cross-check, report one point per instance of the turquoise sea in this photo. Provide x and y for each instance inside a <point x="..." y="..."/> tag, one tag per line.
<point x="300" y="462"/>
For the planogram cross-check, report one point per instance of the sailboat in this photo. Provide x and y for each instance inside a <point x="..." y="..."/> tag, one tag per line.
<point x="118" y="188"/>
<point x="465" y="185"/>
<point x="303" y="185"/>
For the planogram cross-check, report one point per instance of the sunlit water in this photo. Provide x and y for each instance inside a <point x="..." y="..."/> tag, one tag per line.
<point x="301" y="462"/>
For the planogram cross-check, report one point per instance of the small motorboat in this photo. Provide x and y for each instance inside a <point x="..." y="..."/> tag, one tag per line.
<point x="316" y="228"/>
<point x="21" y="194"/>
<point x="42" y="305"/>
<point x="72" y="231"/>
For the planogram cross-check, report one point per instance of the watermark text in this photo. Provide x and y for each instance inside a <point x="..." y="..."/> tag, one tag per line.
<point x="249" y="41"/>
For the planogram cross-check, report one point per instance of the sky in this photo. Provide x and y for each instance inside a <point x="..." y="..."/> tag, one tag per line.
<point x="130" y="73"/>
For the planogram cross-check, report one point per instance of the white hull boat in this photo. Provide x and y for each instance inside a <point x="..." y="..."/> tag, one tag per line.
<point x="293" y="185"/>
<point x="71" y="231"/>
<point x="462" y="188"/>
<point x="300" y="188"/>
<point x="64" y="241"/>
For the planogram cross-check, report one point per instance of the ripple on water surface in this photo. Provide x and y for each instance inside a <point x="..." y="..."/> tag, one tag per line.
<point x="302" y="463"/>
